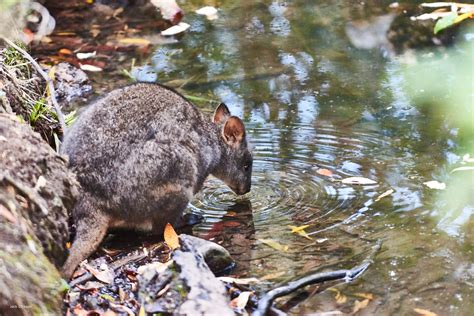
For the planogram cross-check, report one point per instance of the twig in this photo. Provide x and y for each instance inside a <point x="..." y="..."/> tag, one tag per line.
<point x="348" y="275"/>
<point x="52" y="91"/>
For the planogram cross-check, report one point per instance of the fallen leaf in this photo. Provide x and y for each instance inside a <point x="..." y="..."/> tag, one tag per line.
<point x="85" y="55"/>
<point x="424" y="312"/>
<point x="91" y="68"/>
<point x="445" y="22"/>
<point x="65" y="51"/>
<point x="209" y="12"/>
<point x="134" y="41"/>
<point x="175" y="29"/>
<point x="91" y="285"/>
<point x="465" y="168"/>
<point x="385" y="194"/>
<point x="358" y="305"/>
<point x="142" y="311"/>
<point x="274" y="244"/>
<point x="243" y="281"/>
<point x="171" y="238"/>
<point x="358" y="180"/>
<point x="300" y="230"/>
<point x="435" y="185"/>
<point x="243" y="299"/>
<point x="324" y="172"/>
<point x="7" y="214"/>
<point x="106" y="275"/>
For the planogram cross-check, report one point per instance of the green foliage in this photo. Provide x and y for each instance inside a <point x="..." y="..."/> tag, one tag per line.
<point x="38" y="110"/>
<point x="445" y="22"/>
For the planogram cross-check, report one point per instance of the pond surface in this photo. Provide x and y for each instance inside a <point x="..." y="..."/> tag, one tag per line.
<point x="321" y="93"/>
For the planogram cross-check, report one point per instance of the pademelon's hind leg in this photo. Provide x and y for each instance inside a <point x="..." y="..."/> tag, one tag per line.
<point x="91" y="227"/>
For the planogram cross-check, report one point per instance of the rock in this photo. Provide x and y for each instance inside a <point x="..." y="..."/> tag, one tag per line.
<point x="71" y="83"/>
<point x="186" y="285"/>
<point x="206" y="294"/>
<point x="217" y="257"/>
<point x="36" y="189"/>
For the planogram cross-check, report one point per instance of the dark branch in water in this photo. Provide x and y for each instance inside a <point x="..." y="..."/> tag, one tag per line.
<point x="52" y="91"/>
<point x="348" y="275"/>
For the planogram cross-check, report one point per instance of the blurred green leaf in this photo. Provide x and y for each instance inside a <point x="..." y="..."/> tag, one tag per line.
<point x="445" y="22"/>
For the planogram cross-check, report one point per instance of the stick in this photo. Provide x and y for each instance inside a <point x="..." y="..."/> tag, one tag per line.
<point x="348" y="275"/>
<point x="52" y="91"/>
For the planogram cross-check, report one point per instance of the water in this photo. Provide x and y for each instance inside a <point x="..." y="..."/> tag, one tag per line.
<point x="311" y="101"/>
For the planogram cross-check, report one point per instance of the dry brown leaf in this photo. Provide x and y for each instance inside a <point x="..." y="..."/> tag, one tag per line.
<point x="424" y="312"/>
<point x="274" y="244"/>
<point x="340" y="298"/>
<point x="107" y="275"/>
<point x="324" y="172"/>
<point x="171" y="238"/>
<point x="368" y="296"/>
<point x="358" y="305"/>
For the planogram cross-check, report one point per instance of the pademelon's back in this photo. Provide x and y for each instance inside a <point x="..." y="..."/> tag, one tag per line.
<point x="122" y="123"/>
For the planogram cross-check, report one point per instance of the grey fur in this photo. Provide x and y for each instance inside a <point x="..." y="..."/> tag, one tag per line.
<point x="140" y="154"/>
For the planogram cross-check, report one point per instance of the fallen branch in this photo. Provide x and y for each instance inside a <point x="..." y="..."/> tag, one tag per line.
<point x="49" y="81"/>
<point x="347" y="275"/>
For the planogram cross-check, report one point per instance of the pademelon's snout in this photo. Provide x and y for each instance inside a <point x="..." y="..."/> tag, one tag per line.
<point x="241" y="189"/>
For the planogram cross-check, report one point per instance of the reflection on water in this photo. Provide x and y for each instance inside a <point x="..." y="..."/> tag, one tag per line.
<point x="311" y="100"/>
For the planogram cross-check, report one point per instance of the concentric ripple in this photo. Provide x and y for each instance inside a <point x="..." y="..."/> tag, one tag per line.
<point x="288" y="185"/>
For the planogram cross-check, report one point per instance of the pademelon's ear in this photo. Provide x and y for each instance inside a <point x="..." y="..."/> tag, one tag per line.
<point x="221" y="114"/>
<point x="233" y="131"/>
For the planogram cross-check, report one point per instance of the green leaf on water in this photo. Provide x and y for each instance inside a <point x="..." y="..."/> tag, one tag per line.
<point x="445" y="22"/>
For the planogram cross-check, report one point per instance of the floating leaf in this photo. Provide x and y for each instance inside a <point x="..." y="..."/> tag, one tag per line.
<point x="424" y="312"/>
<point x="134" y="41"/>
<point x="169" y="10"/>
<point x="466" y="168"/>
<point x="243" y="281"/>
<point x="324" y="172"/>
<point x="208" y="11"/>
<point x="175" y="29"/>
<point x="274" y="244"/>
<point x="358" y="180"/>
<point x="171" y="238"/>
<point x="300" y="230"/>
<point x="386" y="193"/>
<point x="445" y="22"/>
<point x="340" y="298"/>
<point x="467" y="158"/>
<point x="358" y="305"/>
<point x="435" y="185"/>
